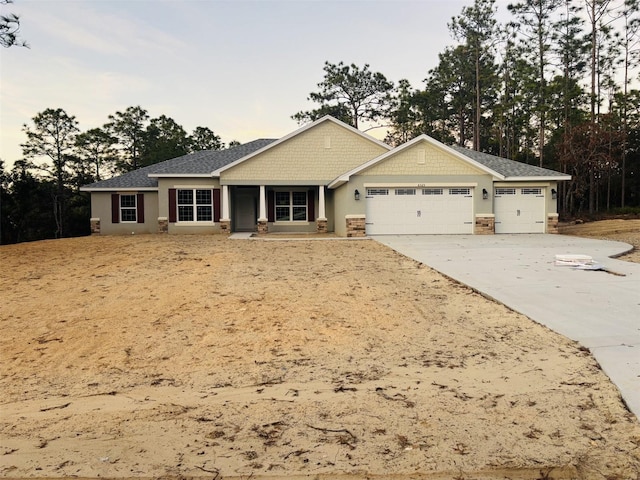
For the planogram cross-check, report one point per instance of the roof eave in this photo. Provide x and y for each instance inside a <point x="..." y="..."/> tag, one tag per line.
<point x="179" y="175"/>
<point x="118" y="189"/>
<point x="216" y="173"/>
<point x="549" y="178"/>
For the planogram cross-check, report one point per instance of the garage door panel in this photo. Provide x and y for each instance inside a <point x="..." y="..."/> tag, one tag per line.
<point x="428" y="211"/>
<point x="519" y="210"/>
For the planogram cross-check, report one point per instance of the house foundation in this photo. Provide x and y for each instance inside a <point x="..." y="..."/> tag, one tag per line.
<point x="163" y="225"/>
<point x="321" y="225"/>
<point x="552" y="223"/>
<point x="356" y="226"/>
<point x="485" y="224"/>
<point x="225" y="226"/>
<point x="95" y="226"/>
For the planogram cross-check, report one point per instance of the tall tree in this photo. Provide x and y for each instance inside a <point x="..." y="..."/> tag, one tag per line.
<point x="96" y="147"/>
<point x="402" y="116"/>
<point x="53" y="136"/>
<point x="163" y="139"/>
<point x="356" y="95"/>
<point x="596" y="11"/>
<point x="631" y="49"/>
<point x="476" y="27"/>
<point x="453" y="82"/>
<point x="203" y="138"/>
<point x="536" y="25"/>
<point x="10" y="29"/>
<point x="129" y="127"/>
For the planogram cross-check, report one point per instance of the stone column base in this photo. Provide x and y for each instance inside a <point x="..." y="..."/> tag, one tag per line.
<point x="485" y="224"/>
<point x="262" y="226"/>
<point x="163" y="225"/>
<point x="225" y="226"/>
<point x="355" y="226"/>
<point x="95" y="226"/>
<point x="321" y="225"/>
<point x="552" y="223"/>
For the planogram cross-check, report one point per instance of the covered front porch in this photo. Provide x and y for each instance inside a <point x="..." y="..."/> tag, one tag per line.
<point x="274" y="208"/>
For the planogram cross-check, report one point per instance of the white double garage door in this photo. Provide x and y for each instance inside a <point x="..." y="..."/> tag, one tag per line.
<point x="449" y="210"/>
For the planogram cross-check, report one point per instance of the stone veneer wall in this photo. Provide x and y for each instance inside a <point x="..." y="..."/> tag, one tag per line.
<point x="225" y="226"/>
<point x="321" y="225"/>
<point x="485" y="224"/>
<point x="552" y="223"/>
<point x="163" y="225"/>
<point x="95" y="226"/>
<point x="262" y="226"/>
<point x="356" y="226"/>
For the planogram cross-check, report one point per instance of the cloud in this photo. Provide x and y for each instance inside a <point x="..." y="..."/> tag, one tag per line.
<point x="99" y="27"/>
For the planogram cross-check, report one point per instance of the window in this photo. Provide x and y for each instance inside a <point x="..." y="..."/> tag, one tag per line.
<point x="432" y="191"/>
<point x="128" y="208"/>
<point x="531" y="191"/>
<point x="405" y="191"/>
<point x="459" y="191"/>
<point x="291" y="206"/>
<point x="505" y="191"/>
<point x="195" y="205"/>
<point x="377" y="191"/>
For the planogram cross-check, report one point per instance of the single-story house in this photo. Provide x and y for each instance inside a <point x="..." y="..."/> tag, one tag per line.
<point x="329" y="177"/>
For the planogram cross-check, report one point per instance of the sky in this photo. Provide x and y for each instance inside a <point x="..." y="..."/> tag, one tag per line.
<point x="241" y="68"/>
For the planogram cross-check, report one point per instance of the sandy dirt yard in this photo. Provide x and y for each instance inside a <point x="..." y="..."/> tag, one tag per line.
<point x="202" y="356"/>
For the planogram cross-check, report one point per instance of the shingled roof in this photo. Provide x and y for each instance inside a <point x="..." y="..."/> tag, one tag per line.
<point x="198" y="163"/>
<point x="504" y="166"/>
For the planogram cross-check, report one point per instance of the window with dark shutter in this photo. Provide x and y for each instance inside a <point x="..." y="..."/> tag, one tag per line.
<point x="115" y="208"/>
<point x="140" y="207"/>
<point x="216" y="204"/>
<point x="311" y="207"/>
<point x="271" y="206"/>
<point x="173" y="206"/>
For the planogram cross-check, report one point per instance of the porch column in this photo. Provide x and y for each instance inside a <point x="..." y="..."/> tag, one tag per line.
<point x="321" y="221"/>
<point x="262" y="218"/>
<point x="225" y="202"/>
<point x="225" y="221"/>
<point x="321" y="212"/>
<point x="263" y="205"/>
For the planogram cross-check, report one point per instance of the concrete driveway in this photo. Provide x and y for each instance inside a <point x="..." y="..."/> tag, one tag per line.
<point x="596" y="308"/>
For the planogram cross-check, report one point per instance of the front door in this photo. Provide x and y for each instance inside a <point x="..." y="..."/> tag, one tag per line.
<point x="245" y="210"/>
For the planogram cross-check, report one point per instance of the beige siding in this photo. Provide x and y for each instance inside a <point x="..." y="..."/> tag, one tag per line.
<point x="164" y="184"/>
<point x="101" y="208"/>
<point x="315" y="156"/>
<point x="422" y="159"/>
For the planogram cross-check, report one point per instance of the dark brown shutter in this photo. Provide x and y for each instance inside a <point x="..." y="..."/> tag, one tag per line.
<point x="271" y="205"/>
<point x="216" y="205"/>
<point x="173" y="206"/>
<point x="311" y="205"/>
<point x="115" y="208"/>
<point x="140" y="207"/>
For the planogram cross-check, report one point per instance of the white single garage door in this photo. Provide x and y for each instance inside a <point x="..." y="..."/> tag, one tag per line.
<point x="415" y="211"/>
<point x="519" y="210"/>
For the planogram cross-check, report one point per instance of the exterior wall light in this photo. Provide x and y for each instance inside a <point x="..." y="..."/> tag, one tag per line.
<point x="356" y="195"/>
<point x="485" y="194"/>
<point x="554" y="193"/>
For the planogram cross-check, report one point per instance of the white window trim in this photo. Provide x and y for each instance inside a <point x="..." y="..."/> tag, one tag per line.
<point x="134" y="208"/>
<point x="194" y="205"/>
<point x="290" y="206"/>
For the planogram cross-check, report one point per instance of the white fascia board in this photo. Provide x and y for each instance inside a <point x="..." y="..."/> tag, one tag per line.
<point x="342" y="179"/>
<point x="179" y="175"/>
<point x="553" y="178"/>
<point x="119" y="189"/>
<point x="326" y="118"/>
<point x="464" y="158"/>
